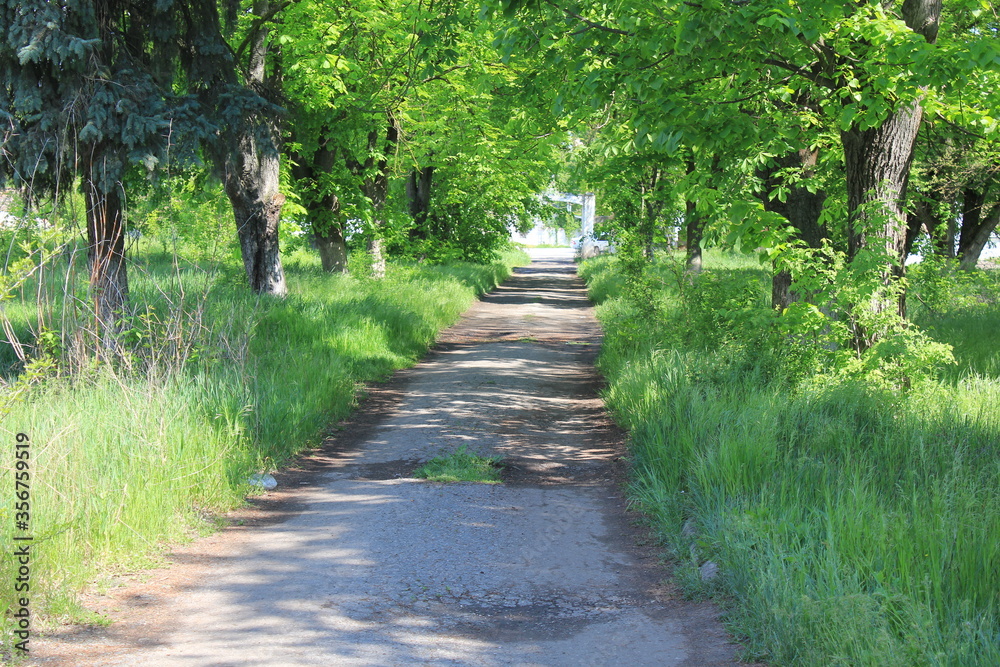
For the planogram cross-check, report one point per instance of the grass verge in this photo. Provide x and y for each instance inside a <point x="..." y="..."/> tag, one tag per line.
<point x="853" y="524"/>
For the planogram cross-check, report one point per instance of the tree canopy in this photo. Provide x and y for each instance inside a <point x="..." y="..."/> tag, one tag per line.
<point x="428" y="129"/>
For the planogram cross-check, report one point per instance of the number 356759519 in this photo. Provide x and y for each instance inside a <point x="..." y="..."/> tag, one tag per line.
<point x="22" y="479"/>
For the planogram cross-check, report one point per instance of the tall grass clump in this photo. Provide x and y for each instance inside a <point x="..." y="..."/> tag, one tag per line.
<point x="212" y="385"/>
<point x="854" y="521"/>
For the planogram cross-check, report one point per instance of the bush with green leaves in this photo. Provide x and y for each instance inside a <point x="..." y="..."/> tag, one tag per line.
<point x="848" y="312"/>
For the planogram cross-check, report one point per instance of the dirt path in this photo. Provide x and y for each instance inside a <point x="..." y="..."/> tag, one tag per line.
<point x="352" y="562"/>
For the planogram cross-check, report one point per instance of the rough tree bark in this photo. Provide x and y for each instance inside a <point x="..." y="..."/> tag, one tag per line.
<point x="418" y="195"/>
<point x="976" y="227"/>
<point x="103" y="194"/>
<point x="249" y="168"/>
<point x="323" y="209"/>
<point x="330" y="241"/>
<point x="250" y="177"/>
<point x="877" y="162"/>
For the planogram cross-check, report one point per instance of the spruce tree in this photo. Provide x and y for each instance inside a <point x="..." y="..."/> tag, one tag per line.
<point x="84" y="99"/>
<point x="93" y="92"/>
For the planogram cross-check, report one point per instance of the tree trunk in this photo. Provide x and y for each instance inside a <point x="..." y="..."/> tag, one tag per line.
<point x="782" y="295"/>
<point x="249" y="170"/>
<point x="969" y="258"/>
<point x="649" y="211"/>
<point x="976" y="229"/>
<point x="648" y="231"/>
<point x="332" y="250"/>
<point x="322" y="206"/>
<point x="106" y="260"/>
<point x="250" y="178"/>
<point x="925" y="217"/>
<point x="877" y="161"/>
<point x="695" y="226"/>
<point x="418" y="194"/>
<point x="801" y="208"/>
<point x="376" y="248"/>
<point x="376" y="189"/>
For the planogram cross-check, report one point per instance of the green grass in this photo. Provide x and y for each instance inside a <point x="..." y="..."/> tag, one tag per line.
<point x="962" y="309"/>
<point x="461" y="466"/>
<point x="219" y="384"/>
<point x="854" y="525"/>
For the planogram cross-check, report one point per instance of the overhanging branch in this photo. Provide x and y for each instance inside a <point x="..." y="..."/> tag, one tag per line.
<point x="258" y="23"/>
<point x="589" y="23"/>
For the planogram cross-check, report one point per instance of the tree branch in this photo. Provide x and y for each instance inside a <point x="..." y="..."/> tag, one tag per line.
<point x="962" y="129"/>
<point x="258" y="23"/>
<point x="656" y="62"/>
<point x="588" y="22"/>
<point x="815" y="77"/>
<point x="441" y="76"/>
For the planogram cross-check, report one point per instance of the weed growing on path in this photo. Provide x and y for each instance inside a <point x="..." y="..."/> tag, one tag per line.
<point x="461" y="466"/>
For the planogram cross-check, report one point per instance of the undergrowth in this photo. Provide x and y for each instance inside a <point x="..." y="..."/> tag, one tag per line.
<point x="854" y="522"/>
